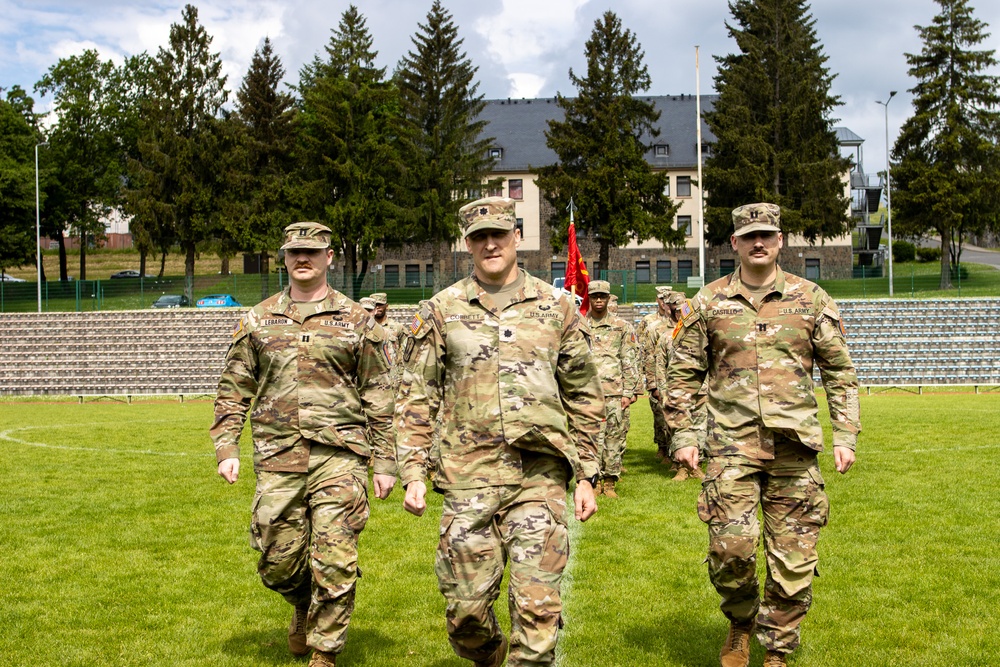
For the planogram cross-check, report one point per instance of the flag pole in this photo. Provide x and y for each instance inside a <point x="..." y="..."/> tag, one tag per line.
<point x="701" y="205"/>
<point x="571" y="209"/>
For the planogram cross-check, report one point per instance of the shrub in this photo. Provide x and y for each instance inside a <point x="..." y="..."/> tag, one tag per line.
<point x="929" y="254"/>
<point x="903" y="251"/>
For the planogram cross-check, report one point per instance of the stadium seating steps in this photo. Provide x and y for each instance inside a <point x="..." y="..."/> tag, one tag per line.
<point x="109" y="353"/>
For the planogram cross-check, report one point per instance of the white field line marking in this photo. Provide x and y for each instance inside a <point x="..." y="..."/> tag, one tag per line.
<point x="8" y="437"/>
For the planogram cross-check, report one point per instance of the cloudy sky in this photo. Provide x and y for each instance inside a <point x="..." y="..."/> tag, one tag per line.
<point x="523" y="48"/>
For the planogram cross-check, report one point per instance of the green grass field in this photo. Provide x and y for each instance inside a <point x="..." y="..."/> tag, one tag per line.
<point x="120" y="546"/>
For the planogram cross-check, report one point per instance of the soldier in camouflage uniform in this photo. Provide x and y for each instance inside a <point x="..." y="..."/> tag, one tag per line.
<point x="648" y="333"/>
<point x="755" y="336"/>
<point x="368" y="304"/>
<point x="506" y="365"/>
<point x="312" y="368"/>
<point x="657" y="367"/>
<point x="617" y="356"/>
<point x="393" y="329"/>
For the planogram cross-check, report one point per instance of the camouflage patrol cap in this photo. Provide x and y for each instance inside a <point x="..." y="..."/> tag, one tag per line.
<point x="380" y="298"/>
<point x="306" y="235"/>
<point x="676" y="298"/>
<point x="613" y="298"/>
<point x="599" y="287"/>
<point x="756" y="218"/>
<point x="488" y="213"/>
<point x="663" y="291"/>
<point x="367" y="303"/>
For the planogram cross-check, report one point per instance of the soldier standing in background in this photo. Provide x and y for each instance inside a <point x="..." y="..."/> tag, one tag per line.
<point x="314" y="366"/>
<point x="755" y="336"/>
<point x="391" y="326"/>
<point x="617" y="356"/>
<point x="648" y="333"/>
<point x="506" y="365"/>
<point x="368" y="304"/>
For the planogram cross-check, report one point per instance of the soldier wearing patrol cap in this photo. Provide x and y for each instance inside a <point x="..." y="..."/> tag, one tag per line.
<point x="393" y="328"/>
<point x="617" y="355"/>
<point x="648" y="333"/>
<point x="754" y="337"/>
<point x="505" y="365"/>
<point x="368" y="304"/>
<point x="316" y="366"/>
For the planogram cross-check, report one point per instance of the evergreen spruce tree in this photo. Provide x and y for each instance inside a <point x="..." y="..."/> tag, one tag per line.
<point x="602" y="142"/>
<point x="261" y="162"/>
<point x="175" y="183"/>
<point x="947" y="173"/>
<point x="17" y="186"/>
<point x="774" y="134"/>
<point x="351" y="166"/>
<point x="444" y="150"/>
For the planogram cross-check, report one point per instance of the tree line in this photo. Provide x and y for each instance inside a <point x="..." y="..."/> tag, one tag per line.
<point x="386" y="160"/>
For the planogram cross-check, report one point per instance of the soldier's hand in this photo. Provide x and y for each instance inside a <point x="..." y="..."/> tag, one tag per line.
<point x="626" y="402"/>
<point x="229" y="470"/>
<point x="844" y="458"/>
<point x="688" y="456"/>
<point x="383" y="485"/>
<point x="414" y="502"/>
<point x="583" y="497"/>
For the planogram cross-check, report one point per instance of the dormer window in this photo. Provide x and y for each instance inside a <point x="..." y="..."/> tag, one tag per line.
<point x="661" y="150"/>
<point x="496" y="153"/>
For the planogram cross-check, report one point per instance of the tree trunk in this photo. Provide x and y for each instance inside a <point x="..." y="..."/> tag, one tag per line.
<point x="83" y="254"/>
<point x="224" y="269"/>
<point x="189" y="253"/>
<point x="163" y="264"/>
<point x="63" y="268"/>
<point x="350" y="270"/>
<point x="945" y="263"/>
<point x="605" y="255"/>
<point x="436" y="261"/>
<point x="142" y="264"/>
<point x="265" y="275"/>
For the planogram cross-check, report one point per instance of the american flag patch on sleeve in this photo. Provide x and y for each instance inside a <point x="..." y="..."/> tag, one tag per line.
<point x="415" y="325"/>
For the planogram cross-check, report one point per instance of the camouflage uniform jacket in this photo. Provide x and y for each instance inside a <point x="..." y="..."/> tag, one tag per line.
<point x="501" y="382"/>
<point x="759" y="359"/>
<point x="657" y="326"/>
<point x="617" y="355"/>
<point x="323" y="377"/>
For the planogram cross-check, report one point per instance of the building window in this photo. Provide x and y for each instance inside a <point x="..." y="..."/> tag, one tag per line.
<point x="666" y="188"/>
<point x="519" y="226"/>
<point x="683" y="186"/>
<point x="726" y="266"/>
<point x="494" y="189"/>
<point x="642" y="271"/>
<point x="595" y="271"/>
<point x="684" y="223"/>
<point x="684" y="270"/>
<point x="496" y="153"/>
<point x="413" y="275"/>
<point x="812" y="269"/>
<point x="663" y="268"/>
<point x="392" y="275"/>
<point x="558" y="270"/>
<point x="661" y="150"/>
<point x="515" y="188"/>
<point x="429" y="275"/>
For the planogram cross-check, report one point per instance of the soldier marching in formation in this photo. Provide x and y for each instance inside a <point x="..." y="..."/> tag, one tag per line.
<point x="754" y="338"/>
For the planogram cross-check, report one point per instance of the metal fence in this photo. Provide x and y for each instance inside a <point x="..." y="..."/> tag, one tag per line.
<point x="249" y="289"/>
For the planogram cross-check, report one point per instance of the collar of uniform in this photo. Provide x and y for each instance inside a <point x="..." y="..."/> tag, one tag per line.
<point x="606" y="321"/>
<point x="736" y="286"/>
<point x="333" y="302"/>
<point x="530" y="290"/>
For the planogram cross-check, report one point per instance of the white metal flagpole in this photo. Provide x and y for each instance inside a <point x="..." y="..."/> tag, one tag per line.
<point x="701" y="203"/>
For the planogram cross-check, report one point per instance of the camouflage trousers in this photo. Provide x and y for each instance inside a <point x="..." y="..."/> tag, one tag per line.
<point x="481" y="529"/>
<point x="661" y="436"/>
<point x="611" y="439"/>
<point x="789" y="492"/>
<point x="306" y="527"/>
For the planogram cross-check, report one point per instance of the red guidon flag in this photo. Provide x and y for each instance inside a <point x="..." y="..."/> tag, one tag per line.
<point x="577" y="277"/>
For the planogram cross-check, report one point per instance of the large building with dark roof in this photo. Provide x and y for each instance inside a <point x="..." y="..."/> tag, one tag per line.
<point x="518" y="128"/>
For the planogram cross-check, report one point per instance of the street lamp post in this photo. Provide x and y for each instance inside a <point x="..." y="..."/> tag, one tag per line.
<point x="888" y="183"/>
<point x="38" y="230"/>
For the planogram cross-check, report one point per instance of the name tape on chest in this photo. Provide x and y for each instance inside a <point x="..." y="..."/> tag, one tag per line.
<point x="276" y="322"/>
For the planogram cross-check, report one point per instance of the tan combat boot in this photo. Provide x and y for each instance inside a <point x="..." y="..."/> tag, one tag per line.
<point x="660" y="455"/>
<point x="736" y="651"/>
<point x="609" y="488"/>
<point x="682" y="474"/>
<point x="498" y="658"/>
<point x="774" y="659"/>
<point x="323" y="659"/>
<point x="297" y="630"/>
<point x="698" y="473"/>
<point x="599" y="489"/>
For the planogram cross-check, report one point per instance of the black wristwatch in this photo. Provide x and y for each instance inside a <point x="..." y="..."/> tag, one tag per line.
<point x="593" y="480"/>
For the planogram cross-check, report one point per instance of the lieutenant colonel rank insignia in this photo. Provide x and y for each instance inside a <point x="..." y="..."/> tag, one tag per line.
<point x="507" y="334"/>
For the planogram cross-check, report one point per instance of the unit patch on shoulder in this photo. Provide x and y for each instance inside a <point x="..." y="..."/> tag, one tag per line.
<point x="238" y="328"/>
<point x="677" y="329"/>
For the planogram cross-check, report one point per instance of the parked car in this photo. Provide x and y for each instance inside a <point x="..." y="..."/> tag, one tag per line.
<point x="11" y="279"/>
<point x="129" y="273"/>
<point x="558" y="289"/>
<point x="218" y="301"/>
<point x="172" y="301"/>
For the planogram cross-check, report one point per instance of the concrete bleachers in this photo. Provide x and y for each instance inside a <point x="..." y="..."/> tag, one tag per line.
<point x="892" y="342"/>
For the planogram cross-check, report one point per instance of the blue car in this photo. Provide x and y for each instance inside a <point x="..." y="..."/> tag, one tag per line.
<point x="218" y="301"/>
